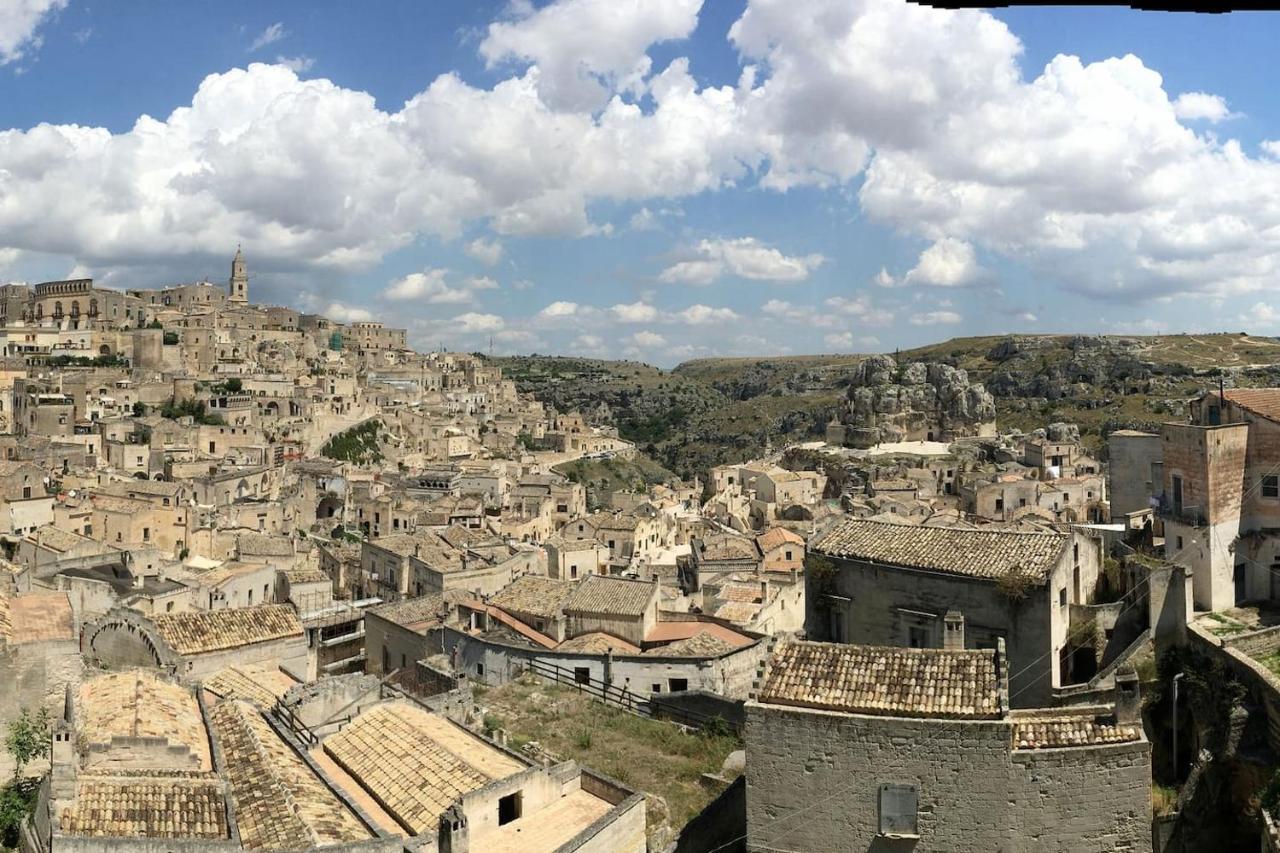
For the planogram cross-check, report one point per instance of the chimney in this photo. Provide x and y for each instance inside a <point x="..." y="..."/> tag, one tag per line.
<point x="1128" y="697"/>
<point x="953" y="631"/>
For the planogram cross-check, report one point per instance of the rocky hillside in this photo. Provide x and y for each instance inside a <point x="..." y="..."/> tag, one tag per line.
<point x="710" y="411"/>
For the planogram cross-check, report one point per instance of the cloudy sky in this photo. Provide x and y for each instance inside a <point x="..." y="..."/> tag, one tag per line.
<point x="654" y="179"/>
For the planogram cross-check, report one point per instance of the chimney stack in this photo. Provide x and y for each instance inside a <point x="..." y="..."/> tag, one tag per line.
<point x="953" y="631"/>
<point x="1128" y="697"/>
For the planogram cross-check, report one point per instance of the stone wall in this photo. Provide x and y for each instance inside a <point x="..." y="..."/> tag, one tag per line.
<point x="32" y="676"/>
<point x="813" y="781"/>
<point x="1134" y="470"/>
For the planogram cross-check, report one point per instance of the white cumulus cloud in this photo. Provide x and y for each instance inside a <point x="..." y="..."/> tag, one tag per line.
<point x="474" y="322"/>
<point x="1201" y="106"/>
<point x="947" y="263"/>
<point x="487" y="252"/>
<point x="636" y="312"/>
<point x="936" y="318"/>
<point x="20" y="22"/>
<point x="584" y="50"/>
<point x="647" y="339"/>
<point x="744" y="257"/>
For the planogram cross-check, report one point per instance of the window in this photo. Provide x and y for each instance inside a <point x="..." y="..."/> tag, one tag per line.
<point x="675" y="685"/>
<point x="1022" y="501"/>
<point x="1271" y="486"/>
<point x="146" y="534"/>
<point x="999" y="504"/>
<point x="1062" y="597"/>
<point x="898" y="810"/>
<point x="787" y="555"/>
<point x="1075" y="551"/>
<point x="1179" y="543"/>
<point x="26" y="491"/>
<point x="509" y="808"/>
<point x="479" y="668"/>
<point x="573" y="571"/>
<point x="581" y="674"/>
<point x="251" y="596"/>
<point x="917" y="637"/>
<point x="168" y="608"/>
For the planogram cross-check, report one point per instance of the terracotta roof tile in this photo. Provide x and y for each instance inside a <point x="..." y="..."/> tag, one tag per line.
<point x="1264" y="402"/>
<point x="139" y="703"/>
<point x="883" y="680"/>
<point x="201" y="631"/>
<point x="611" y="596"/>
<point x="280" y="804"/>
<point x="1070" y="731"/>
<point x="703" y="644"/>
<point x="534" y="595"/>
<point x="776" y="536"/>
<point x="976" y="553"/>
<point x="598" y="643"/>
<point x="143" y="805"/>
<point x="256" y="683"/>
<point x="415" y="763"/>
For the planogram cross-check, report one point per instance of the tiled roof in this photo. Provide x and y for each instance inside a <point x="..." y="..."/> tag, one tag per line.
<point x="737" y="612"/>
<point x="306" y="574"/>
<point x="1264" y="402"/>
<point x="536" y="596"/>
<point x="256" y="683"/>
<point x="264" y="544"/>
<point x="703" y="644"/>
<point x="415" y="764"/>
<point x="976" y="553"/>
<point x="726" y="547"/>
<point x="35" y="617"/>
<point x="280" y="804"/>
<point x="411" y="611"/>
<point x="883" y="680"/>
<point x="610" y="596"/>
<point x="143" y="805"/>
<point x="139" y="703"/>
<point x="670" y="632"/>
<point x="776" y="536"/>
<point x="1070" y="731"/>
<point x="201" y="631"/>
<point x="598" y="643"/>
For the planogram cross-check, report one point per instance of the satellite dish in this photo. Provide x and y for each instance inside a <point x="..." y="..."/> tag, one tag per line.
<point x="71" y="494"/>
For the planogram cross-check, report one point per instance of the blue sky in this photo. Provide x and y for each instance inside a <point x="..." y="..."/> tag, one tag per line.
<point x="660" y="180"/>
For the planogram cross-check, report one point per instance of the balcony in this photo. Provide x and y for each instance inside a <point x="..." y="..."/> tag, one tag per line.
<point x="1181" y="513"/>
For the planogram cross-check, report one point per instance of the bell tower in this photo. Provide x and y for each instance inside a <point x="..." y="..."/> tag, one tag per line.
<point x="238" y="287"/>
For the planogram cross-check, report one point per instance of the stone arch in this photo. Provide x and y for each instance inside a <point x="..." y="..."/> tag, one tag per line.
<point x="329" y="507"/>
<point x="115" y="642"/>
<point x="796" y="512"/>
<point x="105" y="349"/>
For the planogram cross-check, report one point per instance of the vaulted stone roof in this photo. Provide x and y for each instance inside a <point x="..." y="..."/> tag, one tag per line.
<point x="883" y="680"/>
<point x="978" y="553"/>
<point x="202" y="631"/>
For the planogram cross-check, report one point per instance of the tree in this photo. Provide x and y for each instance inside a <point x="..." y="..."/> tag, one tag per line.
<point x="28" y="738"/>
<point x="139" y="409"/>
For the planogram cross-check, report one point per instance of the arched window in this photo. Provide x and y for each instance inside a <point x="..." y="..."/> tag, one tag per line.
<point x="75" y="308"/>
<point x="57" y="310"/>
<point x="40" y="311"/>
<point x="93" y="307"/>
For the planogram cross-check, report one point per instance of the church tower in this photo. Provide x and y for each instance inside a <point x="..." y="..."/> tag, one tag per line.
<point x="238" y="289"/>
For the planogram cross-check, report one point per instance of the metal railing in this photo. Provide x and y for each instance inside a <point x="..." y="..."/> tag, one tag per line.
<point x="621" y="697"/>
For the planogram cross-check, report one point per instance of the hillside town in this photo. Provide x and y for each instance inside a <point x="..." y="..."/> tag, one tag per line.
<point x="266" y="576"/>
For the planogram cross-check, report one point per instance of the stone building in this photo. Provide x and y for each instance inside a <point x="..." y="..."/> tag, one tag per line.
<point x="893" y="584"/>
<point x="887" y="749"/>
<point x="197" y="643"/>
<point x="1135" y="471"/>
<point x="1220" y="501"/>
